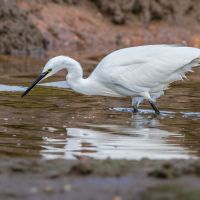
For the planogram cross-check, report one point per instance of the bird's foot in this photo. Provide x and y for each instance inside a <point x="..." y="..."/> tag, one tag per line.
<point x="156" y="114"/>
<point x="135" y="110"/>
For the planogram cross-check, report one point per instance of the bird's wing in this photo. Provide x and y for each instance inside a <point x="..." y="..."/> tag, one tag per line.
<point x="146" y="67"/>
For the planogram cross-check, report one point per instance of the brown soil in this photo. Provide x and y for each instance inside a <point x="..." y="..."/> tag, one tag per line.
<point x="91" y="28"/>
<point x="92" y="179"/>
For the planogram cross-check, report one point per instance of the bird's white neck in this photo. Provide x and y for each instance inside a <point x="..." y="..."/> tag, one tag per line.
<point x="75" y="71"/>
<point x="75" y="79"/>
<point x="75" y="76"/>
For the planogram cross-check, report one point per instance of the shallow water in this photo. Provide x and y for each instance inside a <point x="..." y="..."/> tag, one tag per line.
<point x="54" y="122"/>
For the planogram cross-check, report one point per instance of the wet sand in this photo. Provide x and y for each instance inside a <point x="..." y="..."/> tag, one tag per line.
<point x="95" y="179"/>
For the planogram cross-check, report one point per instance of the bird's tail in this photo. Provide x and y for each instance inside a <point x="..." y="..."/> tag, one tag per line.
<point x="188" y="67"/>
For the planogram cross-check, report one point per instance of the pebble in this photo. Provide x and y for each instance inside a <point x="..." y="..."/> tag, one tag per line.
<point x="67" y="187"/>
<point x="34" y="190"/>
<point x="49" y="189"/>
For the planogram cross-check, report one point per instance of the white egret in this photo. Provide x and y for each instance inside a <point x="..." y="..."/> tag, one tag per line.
<point x="142" y="72"/>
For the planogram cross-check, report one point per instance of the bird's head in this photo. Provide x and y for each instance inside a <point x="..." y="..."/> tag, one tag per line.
<point x="51" y="67"/>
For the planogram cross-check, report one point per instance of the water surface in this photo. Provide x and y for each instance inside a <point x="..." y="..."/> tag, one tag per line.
<point x="54" y="122"/>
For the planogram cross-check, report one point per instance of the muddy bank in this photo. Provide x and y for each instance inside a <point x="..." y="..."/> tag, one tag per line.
<point x="18" y="35"/>
<point x="75" y="27"/>
<point x="92" y="179"/>
<point x="179" y="12"/>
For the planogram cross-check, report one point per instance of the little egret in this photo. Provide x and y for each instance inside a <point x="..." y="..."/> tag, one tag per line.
<point x="141" y="72"/>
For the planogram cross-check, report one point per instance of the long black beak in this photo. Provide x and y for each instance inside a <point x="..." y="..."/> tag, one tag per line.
<point x="41" y="76"/>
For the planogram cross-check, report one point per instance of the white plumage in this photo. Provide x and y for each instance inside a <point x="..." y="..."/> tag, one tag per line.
<point x="145" y="68"/>
<point x="142" y="72"/>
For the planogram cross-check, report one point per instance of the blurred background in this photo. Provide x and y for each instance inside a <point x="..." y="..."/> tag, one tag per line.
<point x="91" y="28"/>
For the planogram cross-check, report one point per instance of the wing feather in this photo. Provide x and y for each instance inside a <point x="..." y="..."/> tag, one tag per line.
<point x="148" y="68"/>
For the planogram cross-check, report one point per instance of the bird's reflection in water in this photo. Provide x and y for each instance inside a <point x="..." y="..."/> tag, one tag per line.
<point x="140" y="121"/>
<point x="143" y="138"/>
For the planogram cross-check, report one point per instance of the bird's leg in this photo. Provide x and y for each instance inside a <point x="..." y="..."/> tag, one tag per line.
<point x="157" y="112"/>
<point x="147" y="96"/>
<point x="135" y="103"/>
